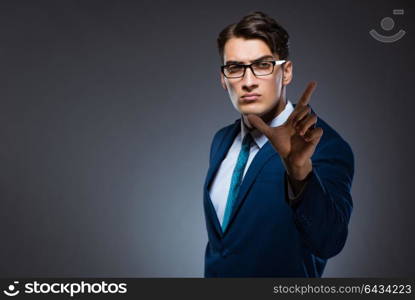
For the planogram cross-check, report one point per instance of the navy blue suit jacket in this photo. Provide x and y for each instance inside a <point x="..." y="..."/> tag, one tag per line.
<point x="266" y="236"/>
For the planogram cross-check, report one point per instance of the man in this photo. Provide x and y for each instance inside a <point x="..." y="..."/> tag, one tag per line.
<point x="277" y="193"/>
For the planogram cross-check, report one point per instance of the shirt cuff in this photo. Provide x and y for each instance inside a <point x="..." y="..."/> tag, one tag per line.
<point x="291" y="196"/>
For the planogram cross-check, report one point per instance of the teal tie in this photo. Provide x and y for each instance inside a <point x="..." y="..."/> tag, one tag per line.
<point x="237" y="178"/>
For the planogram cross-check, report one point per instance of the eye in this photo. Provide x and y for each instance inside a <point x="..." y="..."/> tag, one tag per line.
<point x="234" y="68"/>
<point x="263" y="65"/>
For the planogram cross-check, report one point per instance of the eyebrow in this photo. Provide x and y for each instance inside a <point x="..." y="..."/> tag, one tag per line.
<point x="255" y="60"/>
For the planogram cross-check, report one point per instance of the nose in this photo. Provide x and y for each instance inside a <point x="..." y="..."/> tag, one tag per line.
<point x="249" y="80"/>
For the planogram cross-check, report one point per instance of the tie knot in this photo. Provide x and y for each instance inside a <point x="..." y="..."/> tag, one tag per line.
<point x="247" y="140"/>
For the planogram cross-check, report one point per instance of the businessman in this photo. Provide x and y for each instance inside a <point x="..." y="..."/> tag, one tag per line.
<point x="277" y="196"/>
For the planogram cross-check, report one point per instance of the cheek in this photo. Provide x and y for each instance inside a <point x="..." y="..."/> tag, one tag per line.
<point x="232" y="89"/>
<point x="272" y="87"/>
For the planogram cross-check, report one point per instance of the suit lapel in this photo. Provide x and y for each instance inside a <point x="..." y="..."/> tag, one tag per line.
<point x="223" y="149"/>
<point x="263" y="155"/>
<point x="217" y="159"/>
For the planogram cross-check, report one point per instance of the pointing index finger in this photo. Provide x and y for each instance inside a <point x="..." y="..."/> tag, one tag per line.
<point x="305" y="98"/>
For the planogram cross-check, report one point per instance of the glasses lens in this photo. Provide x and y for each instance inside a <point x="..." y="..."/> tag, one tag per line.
<point x="263" y="67"/>
<point x="234" y="70"/>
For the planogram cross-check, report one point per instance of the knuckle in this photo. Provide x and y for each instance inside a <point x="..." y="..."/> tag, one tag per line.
<point x="302" y="122"/>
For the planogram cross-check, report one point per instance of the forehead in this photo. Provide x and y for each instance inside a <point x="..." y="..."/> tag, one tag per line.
<point x="245" y="50"/>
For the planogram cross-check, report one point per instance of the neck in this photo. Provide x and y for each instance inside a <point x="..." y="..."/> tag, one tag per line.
<point x="278" y="108"/>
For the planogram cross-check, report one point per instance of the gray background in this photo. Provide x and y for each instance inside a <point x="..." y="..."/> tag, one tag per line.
<point x="108" y="109"/>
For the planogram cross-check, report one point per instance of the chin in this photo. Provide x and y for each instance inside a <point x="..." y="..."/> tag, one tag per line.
<point x="259" y="111"/>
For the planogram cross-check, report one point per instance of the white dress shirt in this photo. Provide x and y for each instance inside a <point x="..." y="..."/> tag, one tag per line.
<point x="220" y="186"/>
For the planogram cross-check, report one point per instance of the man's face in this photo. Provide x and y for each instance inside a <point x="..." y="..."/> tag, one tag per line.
<point x="268" y="88"/>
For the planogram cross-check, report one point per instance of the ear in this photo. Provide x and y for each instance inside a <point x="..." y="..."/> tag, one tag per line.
<point x="222" y="81"/>
<point x="287" y="74"/>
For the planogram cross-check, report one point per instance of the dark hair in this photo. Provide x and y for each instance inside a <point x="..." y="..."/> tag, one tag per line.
<point x="257" y="25"/>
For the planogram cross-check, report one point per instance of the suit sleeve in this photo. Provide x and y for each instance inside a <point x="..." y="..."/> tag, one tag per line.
<point x="323" y="208"/>
<point x="292" y="197"/>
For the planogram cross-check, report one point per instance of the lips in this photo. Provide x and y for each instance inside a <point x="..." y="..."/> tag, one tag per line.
<point x="250" y="97"/>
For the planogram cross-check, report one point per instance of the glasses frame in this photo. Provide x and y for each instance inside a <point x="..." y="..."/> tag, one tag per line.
<point x="274" y="62"/>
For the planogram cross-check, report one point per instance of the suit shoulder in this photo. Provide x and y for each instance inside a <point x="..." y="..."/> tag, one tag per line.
<point x="332" y="140"/>
<point x="218" y="136"/>
<point x="222" y="131"/>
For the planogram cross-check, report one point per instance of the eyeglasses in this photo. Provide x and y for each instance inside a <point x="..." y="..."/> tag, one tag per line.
<point x="259" y="68"/>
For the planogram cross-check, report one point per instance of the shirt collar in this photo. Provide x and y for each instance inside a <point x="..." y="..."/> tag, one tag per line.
<point x="260" y="138"/>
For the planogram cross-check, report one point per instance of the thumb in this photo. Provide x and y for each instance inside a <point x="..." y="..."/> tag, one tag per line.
<point x="259" y="124"/>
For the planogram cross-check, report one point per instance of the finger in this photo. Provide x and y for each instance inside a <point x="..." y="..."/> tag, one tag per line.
<point x="259" y="124"/>
<point x="302" y="113"/>
<point x="292" y="118"/>
<point x="299" y="107"/>
<point x="305" y="98"/>
<point x="314" y="135"/>
<point x="306" y="123"/>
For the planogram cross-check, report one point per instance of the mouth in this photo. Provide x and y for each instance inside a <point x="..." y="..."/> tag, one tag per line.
<point x="249" y="97"/>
